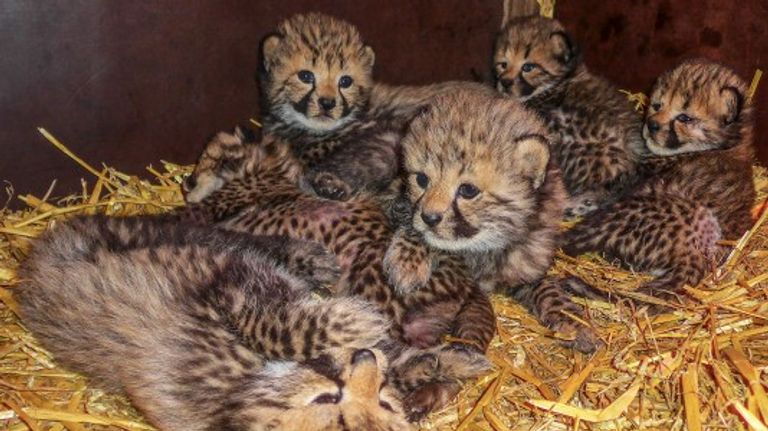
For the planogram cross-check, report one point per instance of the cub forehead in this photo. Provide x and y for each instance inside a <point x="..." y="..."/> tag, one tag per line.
<point x="469" y="125"/>
<point x="320" y="37"/>
<point x="521" y="31"/>
<point x="699" y="77"/>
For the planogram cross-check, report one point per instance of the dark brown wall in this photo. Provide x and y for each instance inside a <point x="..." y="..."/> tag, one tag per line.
<point x="132" y="82"/>
<point x="633" y="41"/>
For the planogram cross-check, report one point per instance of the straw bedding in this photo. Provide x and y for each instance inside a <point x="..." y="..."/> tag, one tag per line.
<point x="704" y="366"/>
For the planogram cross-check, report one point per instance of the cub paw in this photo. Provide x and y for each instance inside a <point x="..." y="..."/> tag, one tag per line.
<point x="584" y="340"/>
<point x="431" y="380"/>
<point x="448" y="363"/>
<point x="407" y="265"/>
<point x="313" y="263"/>
<point x="329" y="186"/>
<point x="582" y="204"/>
<point x="223" y="159"/>
<point x="429" y="398"/>
<point x="416" y="371"/>
<point x="462" y="362"/>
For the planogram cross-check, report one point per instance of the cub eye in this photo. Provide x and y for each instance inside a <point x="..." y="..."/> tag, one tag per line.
<point x="468" y="191"/>
<point x="684" y="118"/>
<point x="527" y="67"/>
<point x="306" y="76"/>
<point x="656" y="106"/>
<point x="386" y="406"/>
<point x="422" y="180"/>
<point x="345" y="81"/>
<point x="502" y="65"/>
<point x="327" y="399"/>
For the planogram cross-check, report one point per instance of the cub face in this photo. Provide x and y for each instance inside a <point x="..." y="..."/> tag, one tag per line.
<point x="532" y="55"/>
<point x="345" y="391"/>
<point x="474" y="165"/>
<point x="349" y="395"/>
<point x="698" y="106"/>
<point x="316" y="72"/>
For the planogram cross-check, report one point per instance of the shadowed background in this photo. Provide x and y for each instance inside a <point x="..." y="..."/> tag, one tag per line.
<point x="130" y="83"/>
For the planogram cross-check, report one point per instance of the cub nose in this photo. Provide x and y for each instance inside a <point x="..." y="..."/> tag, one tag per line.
<point x="653" y="126"/>
<point x="431" y="219"/>
<point x="363" y="355"/>
<point x="506" y="83"/>
<point x="327" y="104"/>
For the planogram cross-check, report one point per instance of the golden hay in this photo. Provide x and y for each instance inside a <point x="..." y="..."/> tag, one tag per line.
<point x="700" y="367"/>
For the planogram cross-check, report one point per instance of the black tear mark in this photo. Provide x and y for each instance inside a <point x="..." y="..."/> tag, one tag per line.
<point x="302" y="105"/>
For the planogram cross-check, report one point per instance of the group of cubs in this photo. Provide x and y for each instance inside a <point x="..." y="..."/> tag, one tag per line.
<point x="406" y="206"/>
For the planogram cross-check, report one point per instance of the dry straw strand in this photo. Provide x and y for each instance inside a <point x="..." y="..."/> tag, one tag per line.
<point x="547" y="8"/>
<point x="755" y="82"/>
<point x="710" y="356"/>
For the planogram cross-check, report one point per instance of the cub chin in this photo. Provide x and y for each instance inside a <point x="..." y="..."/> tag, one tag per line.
<point x="483" y="186"/>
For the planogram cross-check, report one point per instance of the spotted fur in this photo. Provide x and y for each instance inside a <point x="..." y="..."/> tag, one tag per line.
<point x="196" y="327"/>
<point x="319" y="95"/>
<point x="695" y="189"/>
<point x="483" y="188"/>
<point x="267" y="201"/>
<point x="597" y="133"/>
<point x="317" y="74"/>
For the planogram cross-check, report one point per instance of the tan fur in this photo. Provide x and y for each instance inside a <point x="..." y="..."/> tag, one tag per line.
<point x="711" y="96"/>
<point x="695" y="190"/>
<point x="164" y="314"/>
<point x="506" y="229"/>
<point x="398" y="104"/>
<point x="329" y="50"/>
<point x="533" y="40"/>
<point x="596" y="133"/>
<point x="266" y="200"/>
<point x="352" y="148"/>
<point x="503" y="154"/>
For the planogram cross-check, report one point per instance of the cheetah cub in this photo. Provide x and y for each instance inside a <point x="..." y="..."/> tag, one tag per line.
<point x="597" y="139"/>
<point x="483" y="187"/>
<point x="318" y="93"/>
<point x="197" y="327"/>
<point x="251" y="187"/>
<point x="695" y="189"/>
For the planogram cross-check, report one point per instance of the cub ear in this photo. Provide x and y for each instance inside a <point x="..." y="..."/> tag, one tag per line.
<point x="269" y="50"/>
<point x="530" y="157"/>
<point x="734" y="102"/>
<point x="369" y="57"/>
<point x="565" y="50"/>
